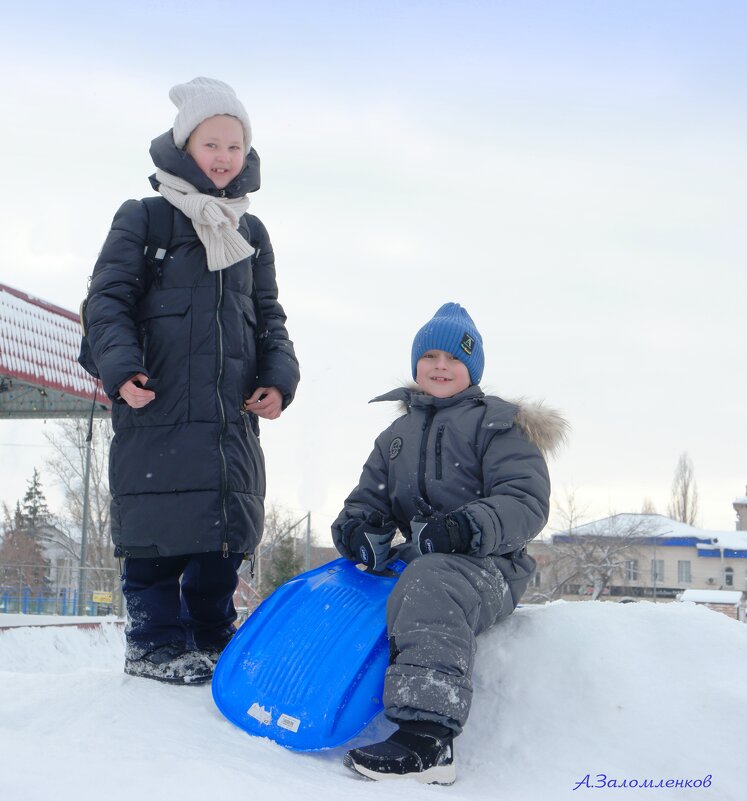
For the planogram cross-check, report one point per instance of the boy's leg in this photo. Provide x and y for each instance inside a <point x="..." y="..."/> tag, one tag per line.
<point x="438" y="606"/>
<point x="208" y="584"/>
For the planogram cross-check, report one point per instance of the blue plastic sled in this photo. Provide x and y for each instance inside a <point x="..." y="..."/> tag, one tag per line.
<point x="307" y="668"/>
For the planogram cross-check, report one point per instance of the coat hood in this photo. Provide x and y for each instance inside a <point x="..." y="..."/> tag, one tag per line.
<point x="169" y="158"/>
<point x="544" y="426"/>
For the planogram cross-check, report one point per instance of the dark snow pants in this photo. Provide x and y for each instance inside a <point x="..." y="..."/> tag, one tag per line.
<point x="180" y="599"/>
<point x="436" y="609"/>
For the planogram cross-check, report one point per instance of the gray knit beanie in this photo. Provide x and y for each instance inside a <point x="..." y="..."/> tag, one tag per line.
<point x="202" y="98"/>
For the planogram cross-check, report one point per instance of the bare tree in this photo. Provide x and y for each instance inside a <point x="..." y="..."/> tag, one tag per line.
<point x="648" y="507"/>
<point x="589" y="556"/>
<point x="279" y="555"/>
<point x="68" y="464"/>
<point x="8" y="519"/>
<point x="22" y="562"/>
<point x="684" y="504"/>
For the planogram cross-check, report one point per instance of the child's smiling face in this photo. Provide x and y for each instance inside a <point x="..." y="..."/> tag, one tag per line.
<point x="440" y="374"/>
<point x="217" y="146"/>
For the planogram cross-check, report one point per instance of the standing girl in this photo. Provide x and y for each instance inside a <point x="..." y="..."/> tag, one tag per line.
<point x="191" y="353"/>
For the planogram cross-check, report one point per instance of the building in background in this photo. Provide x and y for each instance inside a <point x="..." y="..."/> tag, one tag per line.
<point x="636" y="556"/>
<point x="740" y="507"/>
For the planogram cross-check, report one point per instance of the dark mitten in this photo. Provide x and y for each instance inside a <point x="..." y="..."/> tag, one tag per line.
<point x="435" y="532"/>
<point x="367" y="543"/>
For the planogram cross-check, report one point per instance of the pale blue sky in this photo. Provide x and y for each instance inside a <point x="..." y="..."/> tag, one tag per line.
<point x="572" y="172"/>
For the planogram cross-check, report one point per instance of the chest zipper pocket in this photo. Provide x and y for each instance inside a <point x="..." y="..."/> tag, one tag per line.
<point x="439" y="437"/>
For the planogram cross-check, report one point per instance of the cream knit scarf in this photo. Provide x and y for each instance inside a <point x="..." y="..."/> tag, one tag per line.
<point x="216" y="220"/>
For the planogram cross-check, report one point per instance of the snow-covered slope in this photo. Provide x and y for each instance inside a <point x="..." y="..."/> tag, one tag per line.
<point x="641" y="693"/>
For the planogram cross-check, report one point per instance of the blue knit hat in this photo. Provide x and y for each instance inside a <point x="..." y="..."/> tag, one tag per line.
<point x="453" y="331"/>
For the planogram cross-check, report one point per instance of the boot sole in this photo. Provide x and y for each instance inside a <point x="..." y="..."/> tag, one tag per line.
<point x="438" y="774"/>
<point x="197" y="681"/>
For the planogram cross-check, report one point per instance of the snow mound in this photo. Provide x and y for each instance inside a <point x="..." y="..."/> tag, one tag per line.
<point x="566" y="695"/>
<point x="61" y="649"/>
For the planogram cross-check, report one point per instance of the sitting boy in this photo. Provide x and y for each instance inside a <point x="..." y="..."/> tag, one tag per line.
<point x="463" y="477"/>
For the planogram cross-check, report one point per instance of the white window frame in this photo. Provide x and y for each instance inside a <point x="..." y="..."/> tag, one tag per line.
<point x="684" y="571"/>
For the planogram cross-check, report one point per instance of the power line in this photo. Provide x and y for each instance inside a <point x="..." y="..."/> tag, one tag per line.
<point x="35" y="445"/>
<point x="21" y="445"/>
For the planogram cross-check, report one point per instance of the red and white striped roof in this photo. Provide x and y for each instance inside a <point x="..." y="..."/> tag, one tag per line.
<point x="39" y="371"/>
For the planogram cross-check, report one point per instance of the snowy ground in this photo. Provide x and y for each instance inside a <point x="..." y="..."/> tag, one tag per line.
<point x="637" y="692"/>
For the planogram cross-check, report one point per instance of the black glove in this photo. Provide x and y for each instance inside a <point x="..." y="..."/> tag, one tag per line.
<point x="435" y="532"/>
<point x="370" y="544"/>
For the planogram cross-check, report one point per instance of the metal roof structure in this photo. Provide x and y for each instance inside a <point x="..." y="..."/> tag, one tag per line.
<point x="39" y="372"/>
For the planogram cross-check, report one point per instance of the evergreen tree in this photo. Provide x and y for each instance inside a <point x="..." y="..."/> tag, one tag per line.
<point x="18" y="517"/>
<point x="34" y="512"/>
<point x="283" y="565"/>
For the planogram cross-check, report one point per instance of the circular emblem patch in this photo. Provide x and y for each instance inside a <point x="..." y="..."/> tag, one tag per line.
<point x="395" y="447"/>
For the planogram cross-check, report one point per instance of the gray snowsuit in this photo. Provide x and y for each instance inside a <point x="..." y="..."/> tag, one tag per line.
<point x="484" y="457"/>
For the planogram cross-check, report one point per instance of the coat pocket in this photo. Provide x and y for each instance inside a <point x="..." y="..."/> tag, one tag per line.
<point x="165" y="330"/>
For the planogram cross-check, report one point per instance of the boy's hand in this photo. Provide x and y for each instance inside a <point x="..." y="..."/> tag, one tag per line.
<point x="435" y="532"/>
<point x="368" y="544"/>
<point x="266" y="402"/>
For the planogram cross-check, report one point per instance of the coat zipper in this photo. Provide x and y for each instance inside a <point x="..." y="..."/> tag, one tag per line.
<point x="430" y="414"/>
<point x="222" y="412"/>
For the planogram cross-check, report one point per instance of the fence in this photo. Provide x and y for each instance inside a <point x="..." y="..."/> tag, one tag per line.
<point x="54" y="590"/>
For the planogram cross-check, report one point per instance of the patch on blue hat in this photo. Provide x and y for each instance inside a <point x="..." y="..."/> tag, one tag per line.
<point x="467" y="343"/>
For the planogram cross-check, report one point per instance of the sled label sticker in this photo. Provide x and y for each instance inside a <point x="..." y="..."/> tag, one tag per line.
<point x="287" y="722"/>
<point x="259" y="713"/>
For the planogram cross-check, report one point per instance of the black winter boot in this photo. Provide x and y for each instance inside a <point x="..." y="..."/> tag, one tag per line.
<point x="212" y="652"/>
<point x="215" y="649"/>
<point x="171" y="663"/>
<point x="420" y="750"/>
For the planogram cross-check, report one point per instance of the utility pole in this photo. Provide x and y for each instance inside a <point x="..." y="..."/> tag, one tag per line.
<point x="307" y="548"/>
<point x="268" y="550"/>
<point x="307" y="551"/>
<point x="84" y="522"/>
<point x="721" y="559"/>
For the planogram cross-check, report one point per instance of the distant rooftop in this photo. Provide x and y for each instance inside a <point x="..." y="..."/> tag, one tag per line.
<point x="661" y="527"/>
<point x="39" y="372"/>
<point x="711" y="596"/>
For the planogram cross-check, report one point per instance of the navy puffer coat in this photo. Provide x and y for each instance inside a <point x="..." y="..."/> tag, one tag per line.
<point x="187" y="471"/>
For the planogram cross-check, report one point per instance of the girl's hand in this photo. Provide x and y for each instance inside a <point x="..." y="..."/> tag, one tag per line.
<point x="133" y="393"/>
<point x="266" y="402"/>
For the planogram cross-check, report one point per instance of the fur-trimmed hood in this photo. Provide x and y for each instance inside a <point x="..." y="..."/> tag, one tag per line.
<point x="543" y="425"/>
